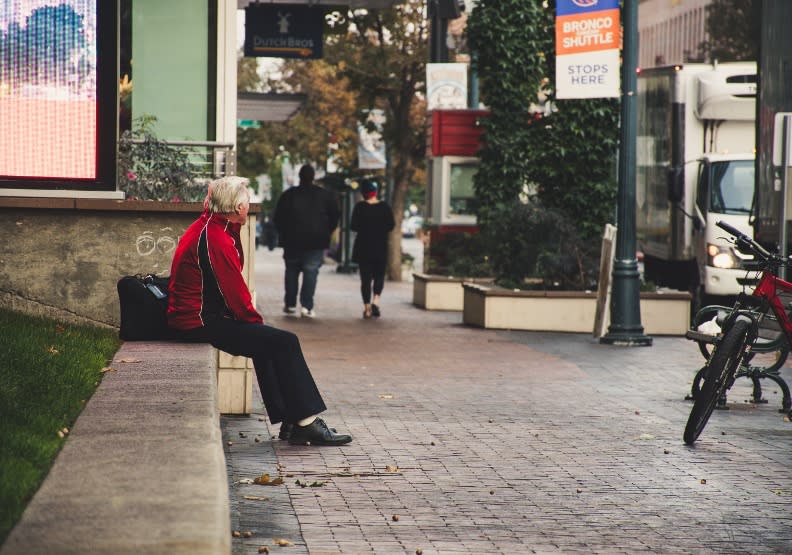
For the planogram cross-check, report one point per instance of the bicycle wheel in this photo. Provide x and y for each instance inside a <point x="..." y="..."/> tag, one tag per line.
<point x="723" y="364"/>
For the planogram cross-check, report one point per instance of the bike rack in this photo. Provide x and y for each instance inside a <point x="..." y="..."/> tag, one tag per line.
<point x="754" y="373"/>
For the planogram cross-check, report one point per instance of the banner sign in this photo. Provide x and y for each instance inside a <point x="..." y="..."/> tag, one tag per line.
<point x="371" y="145"/>
<point x="446" y="86"/>
<point x="283" y="31"/>
<point x="588" y="37"/>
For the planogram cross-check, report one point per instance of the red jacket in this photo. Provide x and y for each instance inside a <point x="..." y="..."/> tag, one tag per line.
<point x="206" y="276"/>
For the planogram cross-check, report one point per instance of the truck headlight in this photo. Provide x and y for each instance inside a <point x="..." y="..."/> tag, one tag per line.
<point x="721" y="257"/>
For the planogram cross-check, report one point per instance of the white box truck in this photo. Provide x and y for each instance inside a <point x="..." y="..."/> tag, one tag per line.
<point x="695" y="166"/>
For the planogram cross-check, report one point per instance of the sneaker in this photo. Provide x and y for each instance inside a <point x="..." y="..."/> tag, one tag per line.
<point x="375" y="311"/>
<point x="317" y="433"/>
<point x="289" y="309"/>
<point x="307" y="313"/>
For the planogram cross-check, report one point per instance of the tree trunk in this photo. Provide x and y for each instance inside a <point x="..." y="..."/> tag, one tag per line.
<point x="400" y="184"/>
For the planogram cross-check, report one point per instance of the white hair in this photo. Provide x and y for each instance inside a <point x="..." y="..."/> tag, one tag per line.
<point x="226" y="193"/>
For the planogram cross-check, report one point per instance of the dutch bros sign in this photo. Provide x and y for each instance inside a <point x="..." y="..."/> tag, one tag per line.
<point x="588" y="36"/>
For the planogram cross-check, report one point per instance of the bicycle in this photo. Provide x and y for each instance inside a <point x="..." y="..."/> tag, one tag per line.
<point x="771" y="343"/>
<point x="735" y="346"/>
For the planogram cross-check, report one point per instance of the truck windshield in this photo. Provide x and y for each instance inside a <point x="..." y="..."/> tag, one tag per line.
<point x="732" y="187"/>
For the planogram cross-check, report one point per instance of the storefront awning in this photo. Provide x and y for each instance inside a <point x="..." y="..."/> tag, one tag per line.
<point x="268" y="106"/>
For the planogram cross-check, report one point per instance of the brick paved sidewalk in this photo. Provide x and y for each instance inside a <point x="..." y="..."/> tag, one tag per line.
<point x="477" y="441"/>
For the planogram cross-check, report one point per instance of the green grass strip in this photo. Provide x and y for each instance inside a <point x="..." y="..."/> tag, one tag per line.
<point x="48" y="371"/>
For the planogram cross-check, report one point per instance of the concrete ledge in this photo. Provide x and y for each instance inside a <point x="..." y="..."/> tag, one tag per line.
<point x="143" y="469"/>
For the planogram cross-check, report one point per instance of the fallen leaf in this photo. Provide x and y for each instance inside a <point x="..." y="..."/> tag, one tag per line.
<point x="236" y="534"/>
<point x="59" y="329"/>
<point x="395" y="518"/>
<point x="283" y="543"/>
<point x="264" y="480"/>
<point x="646" y="436"/>
<point x="419" y="551"/>
<point x="781" y="492"/>
<point x="246" y="481"/>
<point x="579" y="490"/>
<point x="52" y="350"/>
<point x="385" y="396"/>
<point x="255" y="498"/>
<point x="247" y="534"/>
<point x="257" y="439"/>
<point x="263" y="549"/>
<point x="703" y="480"/>
<point x="391" y="468"/>
<point x="129" y="360"/>
<point x="107" y="369"/>
<point x="242" y="434"/>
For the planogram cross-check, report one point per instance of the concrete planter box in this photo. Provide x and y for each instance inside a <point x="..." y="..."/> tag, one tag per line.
<point x="434" y="292"/>
<point x="489" y="306"/>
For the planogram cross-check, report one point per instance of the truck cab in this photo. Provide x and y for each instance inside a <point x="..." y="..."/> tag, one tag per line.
<point x="695" y="166"/>
<point x="725" y="191"/>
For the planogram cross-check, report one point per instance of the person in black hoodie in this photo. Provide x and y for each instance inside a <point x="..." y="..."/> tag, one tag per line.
<point x="372" y="219"/>
<point x="305" y="217"/>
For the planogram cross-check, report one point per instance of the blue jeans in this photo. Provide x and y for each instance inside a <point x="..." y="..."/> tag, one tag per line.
<point x="308" y="262"/>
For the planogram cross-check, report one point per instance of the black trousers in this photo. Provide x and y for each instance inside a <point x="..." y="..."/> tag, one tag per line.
<point x="287" y="387"/>
<point x="371" y="272"/>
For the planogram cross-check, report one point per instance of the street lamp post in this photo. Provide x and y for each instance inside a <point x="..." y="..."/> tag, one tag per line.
<point x="625" y="327"/>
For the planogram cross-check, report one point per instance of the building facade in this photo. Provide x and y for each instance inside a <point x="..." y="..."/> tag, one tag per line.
<point x="671" y="31"/>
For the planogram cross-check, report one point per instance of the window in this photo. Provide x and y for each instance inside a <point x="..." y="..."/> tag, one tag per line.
<point x="462" y="197"/>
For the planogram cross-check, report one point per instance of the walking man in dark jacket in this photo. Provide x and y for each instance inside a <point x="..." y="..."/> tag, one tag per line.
<point x="305" y="217"/>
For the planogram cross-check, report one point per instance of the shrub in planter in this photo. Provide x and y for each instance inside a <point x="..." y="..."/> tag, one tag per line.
<point x="530" y="241"/>
<point x="459" y="254"/>
<point x="151" y="169"/>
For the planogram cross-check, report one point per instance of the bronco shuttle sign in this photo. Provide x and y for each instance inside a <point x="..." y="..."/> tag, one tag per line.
<point x="283" y="31"/>
<point x="588" y="38"/>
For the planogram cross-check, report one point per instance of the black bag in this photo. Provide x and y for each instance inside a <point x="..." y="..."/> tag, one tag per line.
<point x="144" y="301"/>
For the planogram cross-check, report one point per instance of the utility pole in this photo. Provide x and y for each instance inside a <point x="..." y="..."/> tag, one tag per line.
<point x="625" y="327"/>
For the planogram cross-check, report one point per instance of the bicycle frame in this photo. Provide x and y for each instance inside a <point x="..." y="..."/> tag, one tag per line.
<point x="767" y="288"/>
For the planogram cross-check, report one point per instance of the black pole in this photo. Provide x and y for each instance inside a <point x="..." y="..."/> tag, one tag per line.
<point x="625" y="327"/>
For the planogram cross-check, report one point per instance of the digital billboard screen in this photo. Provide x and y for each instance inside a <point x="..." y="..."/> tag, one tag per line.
<point x="48" y="89"/>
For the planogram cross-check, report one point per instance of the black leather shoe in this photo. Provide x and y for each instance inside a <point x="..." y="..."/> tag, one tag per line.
<point x="285" y="430"/>
<point x="375" y="311"/>
<point x="317" y="433"/>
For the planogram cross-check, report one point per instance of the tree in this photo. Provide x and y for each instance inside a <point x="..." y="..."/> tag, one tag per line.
<point x="734" y="28"/>
<point x="560" y="152"/>
<point x="383" y="54"/>
<point x="509" y="43"/>
<point x="373" y="59"/>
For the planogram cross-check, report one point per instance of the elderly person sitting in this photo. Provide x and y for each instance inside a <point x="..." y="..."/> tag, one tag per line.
<point x="209" y="301"/>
